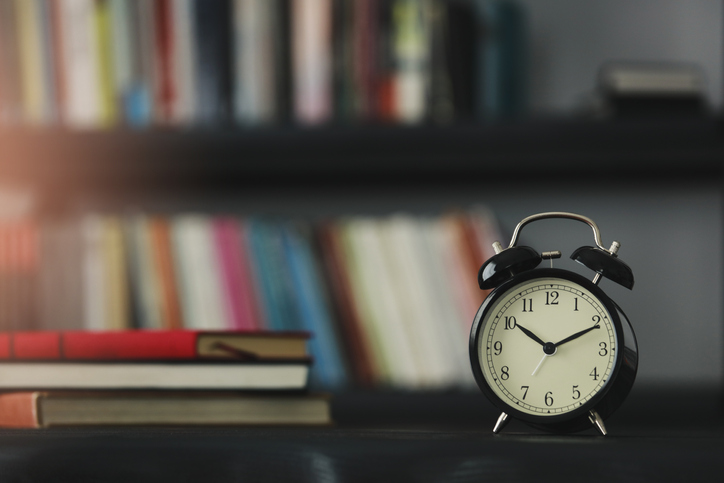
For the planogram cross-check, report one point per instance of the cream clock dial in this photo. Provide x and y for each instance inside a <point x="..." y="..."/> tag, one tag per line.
<point x="547" y="346"/>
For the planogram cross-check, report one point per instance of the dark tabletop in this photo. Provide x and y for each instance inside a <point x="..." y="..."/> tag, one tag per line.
<point x="661" y="434"/>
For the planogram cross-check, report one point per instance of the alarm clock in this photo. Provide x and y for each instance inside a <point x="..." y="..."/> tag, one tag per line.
<point x="547" y="346"/>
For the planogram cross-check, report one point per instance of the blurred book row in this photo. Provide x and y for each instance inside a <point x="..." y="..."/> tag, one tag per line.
<point x="389" y="299"/>
<point x="103" y="63"/>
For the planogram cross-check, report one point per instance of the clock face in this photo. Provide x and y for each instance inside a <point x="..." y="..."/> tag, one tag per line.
<point x="547" y="346"/>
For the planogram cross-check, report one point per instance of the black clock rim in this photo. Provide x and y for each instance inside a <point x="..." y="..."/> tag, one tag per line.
<point x="562" y="420"/>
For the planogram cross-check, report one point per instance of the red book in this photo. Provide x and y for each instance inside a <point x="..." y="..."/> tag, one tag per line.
<point x="165" y="88"/>
<point x="152" y="345"/>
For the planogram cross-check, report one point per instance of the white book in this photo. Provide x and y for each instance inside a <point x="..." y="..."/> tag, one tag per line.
<point x="202" y="302"/>
<point x="451" y="320"/>
<point x="409" y="268"/>
<point x="312" y="60"/>
<point x="382" y="314"/>
<point x="153" y="375"/>
<point x="254" y="64"/>
<point x="94" y="278"/>
<point x="80" y="63"/>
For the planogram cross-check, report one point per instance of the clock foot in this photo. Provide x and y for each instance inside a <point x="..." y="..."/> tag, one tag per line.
<point x="502" y="421"/>
<point x="596" y="420"/>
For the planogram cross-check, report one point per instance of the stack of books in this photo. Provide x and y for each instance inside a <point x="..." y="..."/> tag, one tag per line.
<point x="157" y="378"/>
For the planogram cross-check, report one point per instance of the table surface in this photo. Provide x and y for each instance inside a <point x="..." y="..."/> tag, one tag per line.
<point x="661" y="434"/>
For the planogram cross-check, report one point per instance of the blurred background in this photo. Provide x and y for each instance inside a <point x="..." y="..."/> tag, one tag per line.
<point x="342" y="166"/>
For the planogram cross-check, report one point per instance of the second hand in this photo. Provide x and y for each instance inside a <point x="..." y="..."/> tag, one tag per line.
<point x="540" y="363"/>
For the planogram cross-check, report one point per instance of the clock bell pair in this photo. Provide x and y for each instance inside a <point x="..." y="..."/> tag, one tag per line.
<point x="547" y="346"/>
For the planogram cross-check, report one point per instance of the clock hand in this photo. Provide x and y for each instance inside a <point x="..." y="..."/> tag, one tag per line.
<point x="545" y="356"/>
<point x="530" y="334"/>
<point x="577" y="335"/>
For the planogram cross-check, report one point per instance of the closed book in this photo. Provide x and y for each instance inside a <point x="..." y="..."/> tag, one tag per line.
<point x="49" y="409"/>
<point x="82" y="100"/>
<point x="151" y="345"/>
<point x="208" y="374"/>
<point x="313" y="306"/>
<point x="160" y="233"/>
<point x="355" y="338"/>
<point x="213" y="25"/>
<point x="312" y="60"/>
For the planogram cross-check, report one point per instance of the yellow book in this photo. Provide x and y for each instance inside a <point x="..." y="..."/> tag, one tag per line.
<point x="106" y="78"/>
<point x="31" y="60"/>
<point x="118" y="298"/>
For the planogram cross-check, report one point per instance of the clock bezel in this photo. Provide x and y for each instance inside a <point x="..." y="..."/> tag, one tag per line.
<point x="610" y="395"/>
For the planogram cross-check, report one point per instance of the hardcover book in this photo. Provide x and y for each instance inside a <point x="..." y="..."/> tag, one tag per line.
<point x="58" y="408"/>
<point x="152" y="345"/>
<point x="176" y="374"/>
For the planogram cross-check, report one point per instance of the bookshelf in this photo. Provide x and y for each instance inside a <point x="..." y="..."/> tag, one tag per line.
<point x="372" y="154"/>
<point x="608" y="169"/>
<point x="653" y="183"/>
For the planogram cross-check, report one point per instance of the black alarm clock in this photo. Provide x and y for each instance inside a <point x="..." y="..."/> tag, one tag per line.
<point x="547" y="346"/>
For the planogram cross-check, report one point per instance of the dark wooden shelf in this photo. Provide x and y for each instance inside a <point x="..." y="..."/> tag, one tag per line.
<point x="670" y="148"/>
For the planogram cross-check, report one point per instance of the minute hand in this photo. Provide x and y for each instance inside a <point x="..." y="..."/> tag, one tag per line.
<point x="577" y="335"/>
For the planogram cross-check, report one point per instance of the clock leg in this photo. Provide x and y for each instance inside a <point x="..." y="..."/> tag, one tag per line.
<point x="596" y="420"/>
<point x="502" y="421"/>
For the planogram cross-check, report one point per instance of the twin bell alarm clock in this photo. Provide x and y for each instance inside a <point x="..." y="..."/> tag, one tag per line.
<point x="547" y="346"/>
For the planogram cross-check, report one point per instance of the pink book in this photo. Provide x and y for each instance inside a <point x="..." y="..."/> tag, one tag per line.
<point x="240" y="300"/>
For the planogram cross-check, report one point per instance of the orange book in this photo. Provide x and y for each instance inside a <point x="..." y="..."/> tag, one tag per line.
<point x="171" y="317"/>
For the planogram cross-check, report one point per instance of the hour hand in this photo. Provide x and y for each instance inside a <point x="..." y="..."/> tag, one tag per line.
<point x="530" y="334"/>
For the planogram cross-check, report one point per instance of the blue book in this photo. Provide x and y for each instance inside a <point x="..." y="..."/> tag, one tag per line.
<point x="271" y="270"/>
<point x="312" y="301"/>
<point x="503" y="61"/>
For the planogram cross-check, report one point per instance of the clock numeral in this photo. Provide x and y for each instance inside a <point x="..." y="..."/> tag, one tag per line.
<point x="604" y="349"/>
<point x="549" y="398"/>
<point x="527" y="305"/>
<point x="575" y="304"/>
<point x="594" y="374"/>
<point x="504" y="373"/>
<point x="498" y="346"/>
<point x="525" y="391"/>
<point x="509" y="323"/>
<point x="576" y="392"/>
<point x="551" y="298"/>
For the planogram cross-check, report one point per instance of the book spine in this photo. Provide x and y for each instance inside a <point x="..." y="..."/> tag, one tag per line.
<point x="166" y="273"/>
<point x="82" y="96"/>
<point x="312" y="52"/>
<point x="81" y="345"/>
<point x="354" y="338"/>
<point x="229" y="270"/>
<point x="183" y="45"/>
<point x="20" y="410"/>
<point x="165" y="90"/>
<point x="32" y="61"/>
<point x="213" y="55"/>
<point x="330" y="369"/>
<point x="105" y="77"/>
